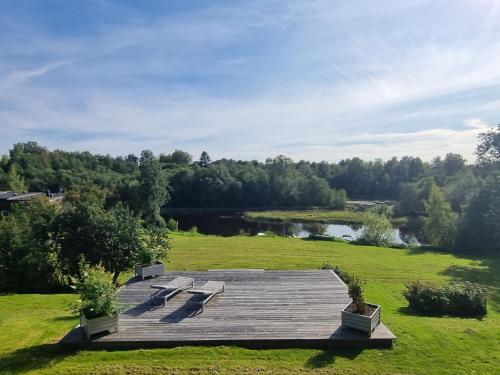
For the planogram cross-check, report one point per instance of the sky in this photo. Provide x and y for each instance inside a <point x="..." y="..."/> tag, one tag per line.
<point x="314" y="80"/>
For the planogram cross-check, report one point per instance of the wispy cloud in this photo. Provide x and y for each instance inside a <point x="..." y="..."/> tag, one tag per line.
<point x="315" y="79"/>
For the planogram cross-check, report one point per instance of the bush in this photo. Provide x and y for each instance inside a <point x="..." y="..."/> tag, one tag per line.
<point x="466" y="299"/>
<point x="354" y="286"/>
<point x="377" y="230"/>
<point x="154" y="246"/>
<point x="344" y="276"/>
<point x="355" y="290"/>
<point x="98" y="294"/>
<point x="173" y="225"/>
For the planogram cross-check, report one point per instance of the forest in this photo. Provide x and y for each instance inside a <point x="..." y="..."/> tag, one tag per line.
<point x="457" y="201"/>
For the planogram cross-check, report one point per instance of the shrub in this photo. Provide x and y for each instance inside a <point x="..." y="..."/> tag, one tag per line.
<point x="354" y="286"/>
<point x="355" y="290"/>
<point x="377" y="230"/>
<point x="173" y="225"/>
<point x="344" y="276"/>
<point x="98" y="294"/>
<point x="154" y="245"/>
<point x="466" y="299"/>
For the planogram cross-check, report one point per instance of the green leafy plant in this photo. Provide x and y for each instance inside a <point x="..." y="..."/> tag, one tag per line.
<point x="355" y="290"/>
<point x="467" y="299"/>
<point x="154" y="245"/>
<point x="98" y="294"/>
<point x="377" y="230"/>
<point x="173" y="225"/>
<point x="344" y="276"/>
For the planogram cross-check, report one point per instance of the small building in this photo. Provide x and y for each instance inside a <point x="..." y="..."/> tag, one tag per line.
<point x="8" y="198"/>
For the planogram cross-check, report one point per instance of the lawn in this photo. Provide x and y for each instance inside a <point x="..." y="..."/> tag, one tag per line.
<point x="311" y="215"/>
<point x="31" y="324"/>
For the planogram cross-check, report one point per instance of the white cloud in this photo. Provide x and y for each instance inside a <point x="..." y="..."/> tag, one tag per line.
<point x="309" y="79"/>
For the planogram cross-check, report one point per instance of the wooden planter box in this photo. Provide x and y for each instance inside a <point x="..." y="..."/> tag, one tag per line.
<point x="361" y="322"/>
<point x="104" y="323"/>
<point x="151" y="270"/>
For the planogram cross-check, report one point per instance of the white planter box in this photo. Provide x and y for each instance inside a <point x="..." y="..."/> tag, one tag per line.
<point x="361" y="322"/>
<point x="104" y="323"/>
<point x="151" y="270"/>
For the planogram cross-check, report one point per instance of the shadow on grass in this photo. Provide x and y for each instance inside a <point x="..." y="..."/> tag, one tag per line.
<point x="33" y="358"/>
<point x="327" y="357"/>
<point x="488" y="274"/>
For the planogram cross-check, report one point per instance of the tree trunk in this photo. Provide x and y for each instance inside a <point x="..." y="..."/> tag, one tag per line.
<point x="115" y="277"/>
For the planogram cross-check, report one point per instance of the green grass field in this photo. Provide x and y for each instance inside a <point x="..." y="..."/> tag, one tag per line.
<point x="311" y="215"/>
<point x="30" y="325"/>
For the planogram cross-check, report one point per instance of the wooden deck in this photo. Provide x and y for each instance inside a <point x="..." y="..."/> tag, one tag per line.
<point x="257" y="309"/>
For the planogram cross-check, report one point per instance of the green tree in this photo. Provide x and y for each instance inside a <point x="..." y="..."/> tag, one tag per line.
<point x="205" y="159"/>
<point x="28" y="253"/>
<point x="441" y="224"/>
<point x="153" y="188"/>
<point x="14" y="180"/>
<point x="377" y="230"/>
<point x="89" y="234"/>
<point x="480" y="224"/>
<point x="409" y="201"/>
<point x="453" y="163"/>
<point x="488" y="148"/>
<point x="177" y="157"/>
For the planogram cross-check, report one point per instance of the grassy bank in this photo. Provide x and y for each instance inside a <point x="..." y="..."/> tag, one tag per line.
<point x="31" y="324"/>
<point x="312" y="215"/>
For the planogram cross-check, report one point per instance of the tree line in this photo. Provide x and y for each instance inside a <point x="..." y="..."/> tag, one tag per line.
<point x="458" y="201"/>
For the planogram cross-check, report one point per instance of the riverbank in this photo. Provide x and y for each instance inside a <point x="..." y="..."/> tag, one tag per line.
<point x="309" y="215"/>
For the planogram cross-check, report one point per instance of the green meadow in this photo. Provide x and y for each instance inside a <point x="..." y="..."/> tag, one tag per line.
<point x="32" y="324"/>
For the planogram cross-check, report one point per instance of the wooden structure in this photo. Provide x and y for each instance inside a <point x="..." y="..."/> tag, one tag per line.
<point x="260" y="309"/>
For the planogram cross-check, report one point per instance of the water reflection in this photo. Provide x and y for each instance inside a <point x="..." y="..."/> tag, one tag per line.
<point x="233" y="224"/>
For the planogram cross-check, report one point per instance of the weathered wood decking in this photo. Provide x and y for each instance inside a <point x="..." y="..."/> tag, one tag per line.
<point x="257" y="309"/>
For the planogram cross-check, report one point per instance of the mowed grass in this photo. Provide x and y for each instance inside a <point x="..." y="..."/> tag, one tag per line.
<point x="312" y="215"/>
<point x="30" y="325"/>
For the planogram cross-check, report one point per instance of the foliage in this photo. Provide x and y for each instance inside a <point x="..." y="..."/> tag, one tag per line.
<point x="177" y="157"/>
<point x="205" y="159"/>
<point x="153" y="188"/>
<point x="14" y="181"/>
<point x="354" y="286"/>
<point x="467" y="299"/>
<point x="344" y="276"/>
<point x="479" y="228"/>
<point x="89" y="233"/>
<point x="355" y="290"/>
<point x="441" y="224"/>
<point x="173" y="225"/>
<point x="98" y="294"/>
<point x="28" y="254"/>
<point x="377" y="230"/>
<point x="488" y="148"/>
<point x="154" y="245"/>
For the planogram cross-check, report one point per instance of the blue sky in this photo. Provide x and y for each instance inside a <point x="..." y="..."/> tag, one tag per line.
<point x="316" y="80"/>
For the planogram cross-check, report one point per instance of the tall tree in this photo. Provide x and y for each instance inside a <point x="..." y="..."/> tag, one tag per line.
<point x="153" y="188"/>
<point x="14" y="180"/>
<point x="441" y="224"/>
<point x="480" y="224"/>
<point x="488" y="149"/>
<point x="205" y="159"/>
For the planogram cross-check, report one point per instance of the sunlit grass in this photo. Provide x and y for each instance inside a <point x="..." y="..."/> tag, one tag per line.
<point x="30" y="324"/>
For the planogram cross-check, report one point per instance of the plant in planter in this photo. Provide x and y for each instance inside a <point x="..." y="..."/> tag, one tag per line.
<point x="98" y="304"/>
<point x="154" y="249"/>
<point x="359" y="314"/>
